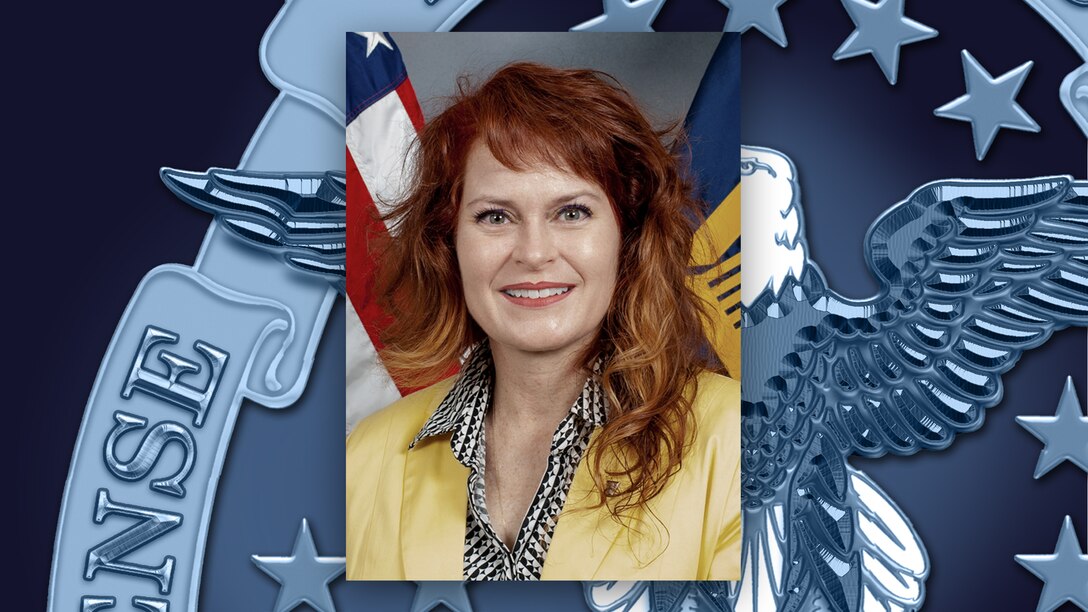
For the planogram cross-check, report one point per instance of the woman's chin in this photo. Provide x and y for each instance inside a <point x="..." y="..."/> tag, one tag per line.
<point x="540" y="344"/>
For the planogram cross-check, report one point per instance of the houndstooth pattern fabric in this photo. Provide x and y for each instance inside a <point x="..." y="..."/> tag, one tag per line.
<point x="461" y="414"/>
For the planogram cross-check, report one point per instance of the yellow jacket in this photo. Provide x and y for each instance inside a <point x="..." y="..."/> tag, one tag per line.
<point x="406" y="509"/>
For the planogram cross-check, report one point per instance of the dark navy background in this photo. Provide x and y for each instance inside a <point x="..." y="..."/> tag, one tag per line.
<point x="110" y="94"/>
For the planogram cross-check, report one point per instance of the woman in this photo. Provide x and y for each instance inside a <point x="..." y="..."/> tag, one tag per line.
<point x="546" y="239"/>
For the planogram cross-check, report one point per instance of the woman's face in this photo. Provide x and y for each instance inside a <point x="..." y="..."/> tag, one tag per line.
<point x="538" y="252"/>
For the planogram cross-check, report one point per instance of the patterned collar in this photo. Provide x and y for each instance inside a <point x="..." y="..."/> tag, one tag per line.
<point x="462" y="411"/>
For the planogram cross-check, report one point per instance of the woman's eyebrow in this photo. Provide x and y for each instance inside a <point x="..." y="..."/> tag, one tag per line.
<point x="560" y="199"/>
<point x="486" y="199"/>
<point x="575" y="195"/>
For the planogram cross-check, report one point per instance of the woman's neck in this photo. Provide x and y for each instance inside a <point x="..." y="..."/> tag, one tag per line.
<point x="536" y="389"/>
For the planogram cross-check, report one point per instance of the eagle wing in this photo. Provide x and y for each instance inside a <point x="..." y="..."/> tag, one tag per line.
<point x="974" y="273"/>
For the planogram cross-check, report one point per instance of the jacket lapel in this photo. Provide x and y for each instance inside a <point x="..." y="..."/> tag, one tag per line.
<point x="433" y="512"/>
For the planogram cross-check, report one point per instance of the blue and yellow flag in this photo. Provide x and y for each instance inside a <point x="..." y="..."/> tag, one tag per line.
<point x="713" y="130"/>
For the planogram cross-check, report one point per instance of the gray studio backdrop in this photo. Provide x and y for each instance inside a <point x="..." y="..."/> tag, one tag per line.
<point x="661" y="70"/>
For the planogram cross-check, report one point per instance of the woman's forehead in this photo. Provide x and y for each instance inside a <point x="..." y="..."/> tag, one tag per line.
<point x="482" y="165"/>
<point x="492" y="179"/>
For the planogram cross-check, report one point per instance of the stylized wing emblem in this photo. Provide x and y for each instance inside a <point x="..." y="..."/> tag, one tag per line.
<point x="298" y="216"/>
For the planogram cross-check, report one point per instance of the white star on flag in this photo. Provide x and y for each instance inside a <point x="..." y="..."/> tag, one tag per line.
<point x="373" y="39"/>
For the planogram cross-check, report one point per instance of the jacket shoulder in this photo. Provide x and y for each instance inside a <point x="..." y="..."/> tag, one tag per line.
<point x="376" y="458"/>
<point x="717" y="402"/>
<point x="398" y="423"/>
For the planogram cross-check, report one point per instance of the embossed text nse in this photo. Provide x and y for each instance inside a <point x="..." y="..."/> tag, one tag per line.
<point x="174" y="387"/>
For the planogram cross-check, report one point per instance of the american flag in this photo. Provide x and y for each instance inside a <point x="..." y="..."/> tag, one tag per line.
<point x="383" y="118"/>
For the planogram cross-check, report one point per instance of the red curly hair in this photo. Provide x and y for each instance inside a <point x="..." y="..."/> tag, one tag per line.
<point x="651" y="339"/>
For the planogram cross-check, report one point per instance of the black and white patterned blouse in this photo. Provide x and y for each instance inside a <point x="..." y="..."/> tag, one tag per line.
<point x="461" y="414"/>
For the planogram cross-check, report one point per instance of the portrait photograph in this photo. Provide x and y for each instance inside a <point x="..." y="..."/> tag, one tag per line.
<point x="543" y="271"/>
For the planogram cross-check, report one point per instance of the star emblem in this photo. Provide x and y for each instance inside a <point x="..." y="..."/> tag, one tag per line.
<point x="881" y="30"/>
<point x="989" y="104"/>
<point x="1064" y="573"/>
<point x="373" y="39"/>
<point x="1065" y="434"/>
<point x="448" y="593"/>
<point x="760" y="14"/>
<point x="304" y="577"/>
<point x="623" y="16"/>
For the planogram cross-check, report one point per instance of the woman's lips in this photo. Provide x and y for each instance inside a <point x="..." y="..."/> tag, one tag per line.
<point x="545" y="294"/>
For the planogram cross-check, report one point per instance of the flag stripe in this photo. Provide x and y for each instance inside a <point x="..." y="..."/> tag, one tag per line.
<point x="367" y="385"/>
<point x="364" y="227"/>
<point x="407" y="95"/>
<point x="377" y="141"/>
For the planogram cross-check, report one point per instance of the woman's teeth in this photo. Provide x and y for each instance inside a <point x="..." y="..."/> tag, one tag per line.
<point x="535" y="294"/>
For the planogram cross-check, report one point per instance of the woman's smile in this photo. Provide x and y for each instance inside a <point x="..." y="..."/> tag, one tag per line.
<point x="536" y="298"/>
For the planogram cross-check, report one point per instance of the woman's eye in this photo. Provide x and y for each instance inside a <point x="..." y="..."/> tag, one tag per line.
<point x="575" y="212"/>
<point x="491" y="217"/>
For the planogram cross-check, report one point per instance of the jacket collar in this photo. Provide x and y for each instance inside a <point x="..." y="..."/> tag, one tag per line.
<point x="461" y="413"/>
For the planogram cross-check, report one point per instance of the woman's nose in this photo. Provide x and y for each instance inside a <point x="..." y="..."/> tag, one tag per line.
<point x="536" y="245"/>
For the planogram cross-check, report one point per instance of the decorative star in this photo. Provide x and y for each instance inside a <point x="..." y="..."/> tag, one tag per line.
<point x="881" y="29"/>
<point x="1065" y="434"/>
<point x="761" y="14"/>
<point x="1064" y="574"/>
<point x="304" y="577"/>
<point x="447" y="593"/>
<point x="989" y="104"/>
<point x="373" y="39"/>
<point x="623" y="16"/>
